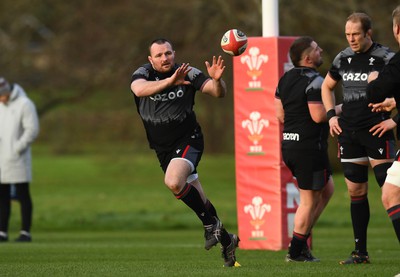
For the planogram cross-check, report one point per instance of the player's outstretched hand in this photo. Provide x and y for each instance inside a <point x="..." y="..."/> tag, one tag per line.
<point x="216" y="69"/>
<point x="178" y="78"/>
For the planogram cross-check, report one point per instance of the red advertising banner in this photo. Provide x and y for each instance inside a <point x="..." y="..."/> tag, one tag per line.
<point x="267" y="195"/>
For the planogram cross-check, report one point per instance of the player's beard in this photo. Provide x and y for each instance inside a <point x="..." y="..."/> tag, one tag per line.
<point x="319" y="63"/>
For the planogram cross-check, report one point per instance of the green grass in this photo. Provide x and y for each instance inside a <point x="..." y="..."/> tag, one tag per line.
<point x="110" y="215"/>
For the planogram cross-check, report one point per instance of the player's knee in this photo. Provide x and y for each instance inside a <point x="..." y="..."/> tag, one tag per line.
<point x="393" y="174"/>
<point x="390" y="195"/>
<point x="380" y="171"/>
<point x="173" y="185"/>
<point x="355" y="173"/>
<point x="385" y="201"/>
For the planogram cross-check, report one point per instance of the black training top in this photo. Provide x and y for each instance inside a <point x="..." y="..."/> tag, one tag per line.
<point x="298" y="87"/>
<point x="168" y="116"/>
<point x="387" y="85"/>
<point x="353" y="69"/>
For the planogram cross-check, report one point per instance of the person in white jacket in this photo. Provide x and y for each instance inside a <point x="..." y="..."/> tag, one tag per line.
<point x="19" y="126"/>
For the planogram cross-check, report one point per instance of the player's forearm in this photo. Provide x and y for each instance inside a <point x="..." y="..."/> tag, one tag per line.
<point x="143" y="88"/>
<point x="280" y="113"/>
<point x="327" y="93"/>
<point x="216" y="88"/>
<point x="328" y="98"/>
<point x="220" y="87"/>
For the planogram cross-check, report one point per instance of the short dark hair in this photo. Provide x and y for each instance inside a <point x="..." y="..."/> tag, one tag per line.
<point x="160" y="41"/>
<point x="298" y="47"/>
<point x="366" y="22"/>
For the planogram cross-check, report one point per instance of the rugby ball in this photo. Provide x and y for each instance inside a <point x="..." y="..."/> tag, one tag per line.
<point x="234" y="42"/>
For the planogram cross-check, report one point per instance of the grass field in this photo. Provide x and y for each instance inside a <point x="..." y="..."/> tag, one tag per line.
<point x="110" y="215"/>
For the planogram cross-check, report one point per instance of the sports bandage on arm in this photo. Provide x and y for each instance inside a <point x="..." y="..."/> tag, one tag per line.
<point x="331" y="113"/>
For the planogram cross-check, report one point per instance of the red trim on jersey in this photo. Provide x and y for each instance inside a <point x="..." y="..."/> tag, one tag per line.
<point x="202" y="86"/>
<point x="185" y="151"/>
<point x="387" y="150"/>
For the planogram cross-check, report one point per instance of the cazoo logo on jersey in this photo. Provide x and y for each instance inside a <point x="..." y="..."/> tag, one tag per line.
<point x="163" y="97"/>
<point x="355" y="76"/>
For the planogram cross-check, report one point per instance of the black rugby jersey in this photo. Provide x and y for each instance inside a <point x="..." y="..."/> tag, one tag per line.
<point x="168" y="116"/>
<point x="353" y="69"/>
<point x="298" y="87"/>
<point x="387" y="85"/>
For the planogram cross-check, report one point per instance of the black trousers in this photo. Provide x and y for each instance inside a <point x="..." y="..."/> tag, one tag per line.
<point x="24" y="198"/>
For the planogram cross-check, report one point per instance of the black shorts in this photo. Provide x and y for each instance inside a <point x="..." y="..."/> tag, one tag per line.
<point x="189" y="148"/>
<point x="360" y="145"/>
<point x="310" y="167"/>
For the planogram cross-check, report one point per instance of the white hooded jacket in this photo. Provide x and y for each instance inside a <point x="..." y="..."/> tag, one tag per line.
<point x="19" y="126"/>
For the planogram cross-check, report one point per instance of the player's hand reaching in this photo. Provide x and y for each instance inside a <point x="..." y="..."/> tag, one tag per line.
<point x="386" y="106"/>
<point x="216" y="87"/>
<point x="216" y="69"/>
<point x="178" y="78"/>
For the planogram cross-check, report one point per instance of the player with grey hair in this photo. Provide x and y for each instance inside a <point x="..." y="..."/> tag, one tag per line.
<point x="364" y="137"/>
